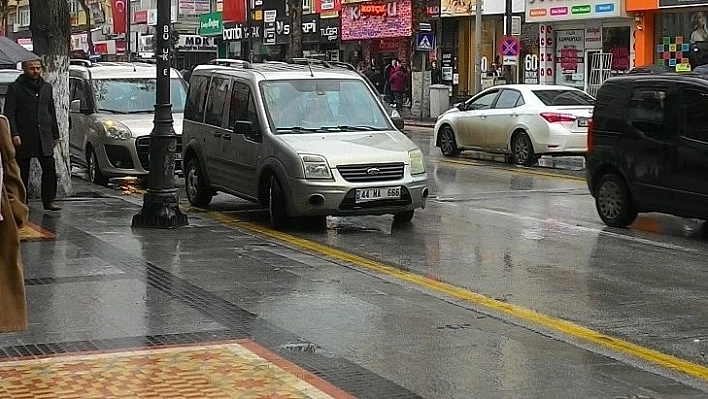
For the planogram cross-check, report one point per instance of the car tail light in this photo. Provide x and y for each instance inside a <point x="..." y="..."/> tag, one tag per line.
<point x="591" y="136"/>
<point x="553" y="117"/>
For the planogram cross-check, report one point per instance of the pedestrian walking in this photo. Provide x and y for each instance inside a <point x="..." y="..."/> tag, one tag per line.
<point x="13" y="214"/>
<point x="398" y="81"/>
<point x="29" y="107"/>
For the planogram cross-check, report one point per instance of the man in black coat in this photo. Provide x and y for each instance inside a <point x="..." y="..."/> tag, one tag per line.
<point x="29" y="106"/>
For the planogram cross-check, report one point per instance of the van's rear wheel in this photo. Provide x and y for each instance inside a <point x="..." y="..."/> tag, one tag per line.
<point x="613" y="202"/>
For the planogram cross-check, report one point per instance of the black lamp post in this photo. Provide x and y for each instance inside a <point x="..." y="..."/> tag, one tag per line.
<point x="160" y="203"/>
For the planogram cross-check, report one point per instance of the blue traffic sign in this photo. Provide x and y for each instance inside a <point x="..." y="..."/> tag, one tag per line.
<point x="510" y="46"/>
<point x="425" y="41"/>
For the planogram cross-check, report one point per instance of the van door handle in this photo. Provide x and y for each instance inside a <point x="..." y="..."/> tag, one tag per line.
<point x="216" y="134"/>
<point x="227" y="137"/>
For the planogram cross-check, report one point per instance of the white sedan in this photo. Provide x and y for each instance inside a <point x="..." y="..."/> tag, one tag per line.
<point x="520" y="121"/>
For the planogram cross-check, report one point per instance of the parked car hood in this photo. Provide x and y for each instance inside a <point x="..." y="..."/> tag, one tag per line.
<point x="343" y="148"/>
<point x="142" y="124"/>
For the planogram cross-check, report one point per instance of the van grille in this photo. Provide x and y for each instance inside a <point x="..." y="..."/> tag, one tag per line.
<point x="371" y="172"/>
<point x="142" y="146"/>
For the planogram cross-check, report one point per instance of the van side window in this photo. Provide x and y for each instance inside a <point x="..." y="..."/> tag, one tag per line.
<point x="194" y="110"/>
<point x="216" y="101"/>
<point x="79" y="93"/>
<point x="238" y="110"/>
<point x="648" y="106"/>
<point x="695" y="117"/>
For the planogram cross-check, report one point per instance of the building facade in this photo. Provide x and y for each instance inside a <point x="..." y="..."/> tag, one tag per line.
<point x="672" y="33"/>
<point x="572" y="32"/>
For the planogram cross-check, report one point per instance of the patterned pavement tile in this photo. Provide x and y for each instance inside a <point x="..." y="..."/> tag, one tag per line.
<point x="233" y="369"/>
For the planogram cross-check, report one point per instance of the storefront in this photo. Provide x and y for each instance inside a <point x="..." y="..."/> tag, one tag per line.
<point x="458" y="42"/>
<point x="193" y="50"/>
<point x="236" y="37"/>
<point x="672" y="33"/>
<point x="576" y="40"/>
<point x="377" y="30"/>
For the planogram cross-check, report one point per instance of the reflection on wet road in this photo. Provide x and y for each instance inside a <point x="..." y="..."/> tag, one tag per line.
<point x="536" y="241"/>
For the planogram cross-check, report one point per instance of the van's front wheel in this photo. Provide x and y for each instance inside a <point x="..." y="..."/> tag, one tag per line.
<point x="194" y="183"/>
<point x="276" y="204"/>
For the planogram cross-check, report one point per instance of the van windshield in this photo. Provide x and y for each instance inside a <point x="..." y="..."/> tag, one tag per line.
<point x="317" y="105"/>
<point x="135" y="95"/>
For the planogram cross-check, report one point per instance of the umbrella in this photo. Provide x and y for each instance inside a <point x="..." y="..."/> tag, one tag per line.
<point x="11" y="53"/>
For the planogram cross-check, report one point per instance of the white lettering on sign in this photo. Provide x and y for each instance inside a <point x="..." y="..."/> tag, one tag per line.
<point x="309" y="27"/>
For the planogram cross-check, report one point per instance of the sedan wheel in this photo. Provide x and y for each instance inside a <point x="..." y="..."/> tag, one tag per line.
<point x="448" y="145"/>
<point x="613" y="202"/>
<point x="522" y="150"/>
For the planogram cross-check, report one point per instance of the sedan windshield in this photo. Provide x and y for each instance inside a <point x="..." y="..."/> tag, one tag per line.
<point x="312" y="105"/>
<point x="560" y="97"/>
<point x="135" y="95"/>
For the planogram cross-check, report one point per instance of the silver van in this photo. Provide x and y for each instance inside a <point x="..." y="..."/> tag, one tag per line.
<point x="111" y="116"/>
<point x="302" y="139"/>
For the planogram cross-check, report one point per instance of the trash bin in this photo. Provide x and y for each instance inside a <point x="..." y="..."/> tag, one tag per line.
<point x="439" y="99"/>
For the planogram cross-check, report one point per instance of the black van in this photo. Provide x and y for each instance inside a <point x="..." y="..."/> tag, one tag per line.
<point x="648" y="147"/>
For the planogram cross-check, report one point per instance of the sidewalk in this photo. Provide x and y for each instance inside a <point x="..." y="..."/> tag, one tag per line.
<point x="115" y="311"/>
<point x="414" y="120"/>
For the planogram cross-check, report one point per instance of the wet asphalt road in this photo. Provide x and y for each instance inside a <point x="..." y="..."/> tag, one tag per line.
<point x="531" y="237"/>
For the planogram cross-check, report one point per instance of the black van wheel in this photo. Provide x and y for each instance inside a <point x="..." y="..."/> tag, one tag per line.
<point x="448" y="145"/>
<point x="197" y="193"/>
<point x="522" y="150"/>
<point x="276" y="204"/>
<point x="613" y="202"/>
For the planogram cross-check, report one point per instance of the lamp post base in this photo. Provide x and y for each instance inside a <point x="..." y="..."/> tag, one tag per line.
<point x="160" y="211"/>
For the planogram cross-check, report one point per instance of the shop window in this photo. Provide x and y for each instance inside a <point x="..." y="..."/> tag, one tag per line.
<point x="615" y="41"/>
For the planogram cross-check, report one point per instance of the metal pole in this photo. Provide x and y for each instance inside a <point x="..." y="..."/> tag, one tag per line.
<point x="249" y="18"/>
<point x="128" y="36"/>
<point x="478" y="46"/>
<point x="509" y="75"/>
<point x="160" y="203"/>
<point x="422" y="82"/>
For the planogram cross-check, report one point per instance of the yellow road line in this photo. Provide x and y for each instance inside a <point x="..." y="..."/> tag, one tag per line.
<point x="520" y="171"/>
<point x="518" y="312"/>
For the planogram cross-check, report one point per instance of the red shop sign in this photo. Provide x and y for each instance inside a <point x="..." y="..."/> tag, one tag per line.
<point x="372" y="9"/>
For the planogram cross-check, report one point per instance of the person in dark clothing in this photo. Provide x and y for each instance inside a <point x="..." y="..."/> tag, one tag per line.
<point x="29" y="107"/>
<point x="435" y="74"/>
<point x="398" y="81"/>
<point x="375" y="76"/>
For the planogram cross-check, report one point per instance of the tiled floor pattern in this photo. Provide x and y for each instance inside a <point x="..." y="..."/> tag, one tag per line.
<point x="235" y="369"/>
<point x="31" y="232"/>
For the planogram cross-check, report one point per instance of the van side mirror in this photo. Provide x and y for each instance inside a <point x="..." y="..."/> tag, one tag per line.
<point x="460" y="106"/>
<point x="243" y="127"/>
<point x="75" y="106"/>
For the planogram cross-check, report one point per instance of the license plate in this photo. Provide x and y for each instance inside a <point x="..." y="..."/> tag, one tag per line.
<point x="373" y="194"/>
<point x="582" y="122"/>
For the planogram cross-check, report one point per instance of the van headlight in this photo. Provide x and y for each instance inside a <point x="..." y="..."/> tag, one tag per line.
<point x="316" y="167"/>
<point x="116" y="130"/>
<point x="417" y="162"/>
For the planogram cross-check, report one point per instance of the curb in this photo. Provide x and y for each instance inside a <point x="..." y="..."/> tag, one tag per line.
<point x="413" y="122"/>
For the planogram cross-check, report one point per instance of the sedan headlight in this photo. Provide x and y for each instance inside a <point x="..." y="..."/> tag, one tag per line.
<point x="316" y="167"/>
<point x="417" y="162"/>
<point x="116" y="130"/>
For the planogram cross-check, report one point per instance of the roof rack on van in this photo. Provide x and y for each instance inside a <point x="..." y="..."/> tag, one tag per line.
<point x="231" y="62"/>
<point x="326" y="64"/>
<point x="81" y="62"/>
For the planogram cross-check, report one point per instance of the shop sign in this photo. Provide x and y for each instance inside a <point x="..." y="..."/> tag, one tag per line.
<point x="329" y="33"/>
<point x="570" y="57"/>
<point x="26" y="42"/>
<point x="465" y="8"/>
<point x="196" y="43"/>
<point x="194" y="7"/>
<point x="210" y="24"/>
<point x="239" y="32"/>
<point x="140" y="17"/>
<point x="569" y="10"/>
<point x="682" y="3"/>
<point x="393" y="20"/>
<point x="531" y="65"/>
<point x="152" y="16"/>
<point x="278" y="32"/>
